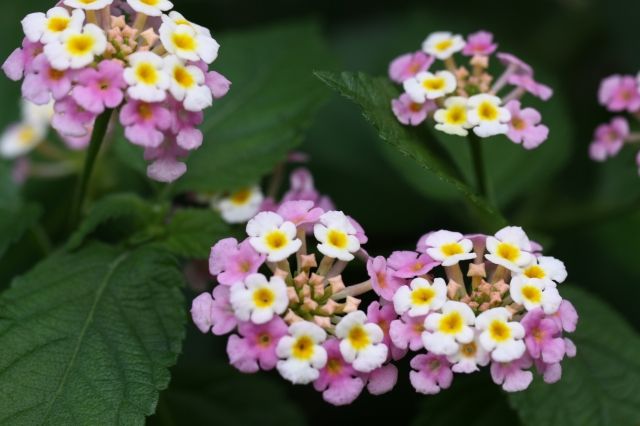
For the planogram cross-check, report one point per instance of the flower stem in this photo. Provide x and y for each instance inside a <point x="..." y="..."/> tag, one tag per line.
<point x="354" y="290"/>
<point x="97" y="137"/>
<point x="475" y="143"/>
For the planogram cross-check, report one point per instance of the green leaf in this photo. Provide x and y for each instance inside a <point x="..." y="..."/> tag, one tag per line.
<point x="87" y="338"/>
<point x="373" y="95"/>
<point x="601" y="386"/>
<point x="191" y="233"/>
<point x="271" y="104"/>
<point x="216" y="394"/>
<point x="127" y="213"/>
<point x="14" y="222"/>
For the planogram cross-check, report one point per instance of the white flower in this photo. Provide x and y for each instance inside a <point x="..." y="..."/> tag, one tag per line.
<point x="337" y="236"/>
<point x="488" y="117"/>
<point x="426" y="85"/>
<point x="469" y="357"/>
<point x="443" y="44"/>
<point x="445" y="331"/>
<point x="271" y="235"/>
<point x="150" y="7"/>
<point x="88" y="4"/>
<point x="38" y="115"/>
<point x="535" y="293"/>
<point x="257" y="299"/>
<point x="76" y="48"/>
<point x="361" y="342"/>
<point x="499" y="336"/>
<point x="546" y="268"/>
<point x="146" y="77"/>
<point x="420" y="297"/>
<point x="20" y="139"/>
<point x="178" y="19"/>
<point x="449" y="247"/>
<point x="452" y="119"/>
<point x="39" y="27"/>
<point x="240" y="206"/>
<point x="303" y="355"/>
<point x="186" y="42"/>
<point x="188" y="84"/>
<point x="510" y="248"/>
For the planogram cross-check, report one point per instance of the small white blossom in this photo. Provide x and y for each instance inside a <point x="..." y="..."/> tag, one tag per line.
<point x="443" y="44"/>
<point x="188" y="43"/>
<point x="444" y="332"/>
<point x="19" y="139"/>
<point x="488" y="117"/>
<point x="271" y="235"/>
<point x="146" y="77"/>
<point x="42" y="28"/>
<point x="187" y="84"/>
<point x="449" y="247"/>
<point x="361" y="343"/>
<point x="88" y="4"/>
<point x="257" y="299"/>
<point x="76" y="48"/>
<point x="150" y="7"/>
<point x="469" y="357"/>
<point x="452" y="119"/>
<point x="303" y="355"/>
<point x="426" y="85"/>
<point x="177" y="18"/>
<point x="535" y="293"/>
<point x="546" y="268"/>
<point x="337" y="236"/>
<point x="240" y="206"/>
<point x="420" y="297"/>
<point x="499" y="336"/>
<point x="511" y="248"/>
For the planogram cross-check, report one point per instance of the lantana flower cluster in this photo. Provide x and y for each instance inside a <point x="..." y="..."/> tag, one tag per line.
<point x="93" y="56"/>
<point x="618" y="94"/>
<point x="468" y="96"/>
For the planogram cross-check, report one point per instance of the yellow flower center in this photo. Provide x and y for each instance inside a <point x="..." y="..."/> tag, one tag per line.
<point x="264" y="340"/>
<point x="55" y="75"/>
<point x="518" y="123"/>
<point x="433" y="83"/>
<point x="183" y="77"/>
<point x="337" y="239"/>
<point x="80" y="44"/>
<point x="147" y="73"/>
<point x="241" y="197"/>
<point x="184" y="41"/>
<point x="276" y="239"/>
<point x="456" y="115"/>
<point x="145" y="111"/>
<point x="422" y="296"/>
<point x="444" y="45"/>
<point x="531" y="293"/>
<point x="334" y="366"/>
<point x="303" y="348"/>
<point x="451" y="323"/>
<point x="150" y="2"/>
<point x="88" y="1"/>
<point x="263" y="297"/>
<point x="535" y="272"/>
<point x="359" y="338"/>
<point x="469" y="350"/>
<point x="26" y="135"/>
<point x="487" y="111"/>
<point x="499" y="331"/>
<point x="57" y="24"/>
<point x="508" y="251"/>
<point x="415" y="107"/>
<point x="451" y="249"/>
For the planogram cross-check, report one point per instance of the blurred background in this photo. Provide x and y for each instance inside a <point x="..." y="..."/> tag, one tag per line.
<point x="586" y="214"/>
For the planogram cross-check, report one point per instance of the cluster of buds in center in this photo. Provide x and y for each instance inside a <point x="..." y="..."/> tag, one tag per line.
<point x="467" y="97"/>
<point x="618" y="94"/>
<point x="93" y="56"/>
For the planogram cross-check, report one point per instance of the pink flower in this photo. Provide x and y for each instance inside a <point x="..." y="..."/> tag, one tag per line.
<point x="409" y="264"/>
<point x="218" y="84"/>
<point x="524" y="126"/>
<point x="219" y="254"/>
<point x="21" y="60"/>
<point x="302" y="187"/>
<point x="240" y="263"/>
<point x="144" y="122"/>
<point x="360" y="235"/>
<point x="512" y="375"/>
<point x="214" y="313"/>
<point x="542" y="337"/>
<point x="479" y="43"/>
<point x="566" y="317"/>
<point x="527" y="82"/>
<point x="382" y="380"/>
<point x="406" y="66"/>
<point x="70" y="119"/>
<point x="411" y="113"/>
<point x="551" y="373"/>
<point x="100" y="88"/>
<point x="609" y="139"/>
<point x="44" y="82"/>
<point x="184" y="125"/>
<point x="384" y="316"/>
<point x="383" y="280"/>
<point x="406" y="332"/>
<point x="77" y="143"/>
<point x="300" y="212"/>
<point x="165" y="166"/>
<point x="514" y="64"/>
<point x="256" y="349"/>
<point x="338" y="381"/>
<point x="430" y="374"/>
<point x="619" y="93"/>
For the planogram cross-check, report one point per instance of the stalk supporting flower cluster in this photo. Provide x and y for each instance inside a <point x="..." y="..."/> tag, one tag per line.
<point x="92" y="56"/>
<point x="467" y="97"/>
<point x="618" y="94"/>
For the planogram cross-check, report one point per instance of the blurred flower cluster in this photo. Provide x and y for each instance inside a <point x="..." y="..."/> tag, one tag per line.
<point x="93" y="56"/>
<point x="469" y="96"/>
<point x="618" y="94"/>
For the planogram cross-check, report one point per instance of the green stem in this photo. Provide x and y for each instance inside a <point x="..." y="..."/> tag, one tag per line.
<point x="477" y="156"/>
<point x="97" y="137"/>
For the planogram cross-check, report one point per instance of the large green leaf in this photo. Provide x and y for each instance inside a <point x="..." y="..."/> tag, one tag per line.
<point x="14" y="222"/>
<point x="217" y="394"/>
<point x="373" y="95"/>
<point x="87" y="338"/>
<point x="601" y="386"/>
<point x="271" y="103"/>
